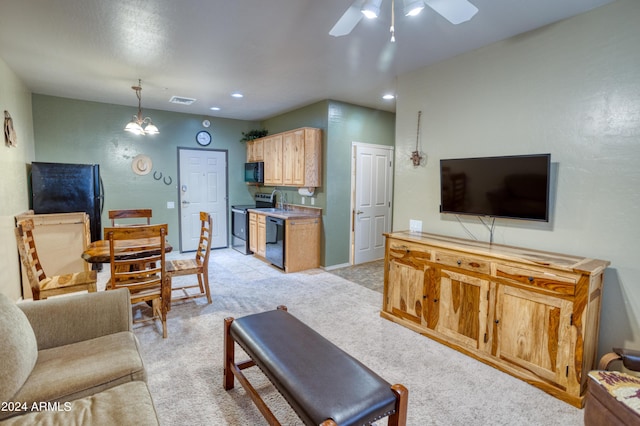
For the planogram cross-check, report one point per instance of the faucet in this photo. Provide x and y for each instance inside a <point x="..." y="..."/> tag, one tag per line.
<point x="283" y="198"/>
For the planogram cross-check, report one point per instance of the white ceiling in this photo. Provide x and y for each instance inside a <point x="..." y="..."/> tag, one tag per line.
<point x="277" y="52"/>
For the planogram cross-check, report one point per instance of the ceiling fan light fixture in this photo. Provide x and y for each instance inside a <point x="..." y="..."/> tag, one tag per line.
<point x="413" y="7"/>
<point x="371" y="8"/>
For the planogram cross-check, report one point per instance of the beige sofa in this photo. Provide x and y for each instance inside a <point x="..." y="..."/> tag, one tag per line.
<point x="72" y="360"/>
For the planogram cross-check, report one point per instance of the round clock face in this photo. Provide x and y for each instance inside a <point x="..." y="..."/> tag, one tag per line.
<point x="203" y="138"/>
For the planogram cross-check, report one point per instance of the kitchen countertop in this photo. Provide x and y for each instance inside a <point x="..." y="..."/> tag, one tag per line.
<point x="292" y="211"/>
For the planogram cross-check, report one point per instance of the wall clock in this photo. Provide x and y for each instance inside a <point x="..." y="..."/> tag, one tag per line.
<point x="203" y="137"/>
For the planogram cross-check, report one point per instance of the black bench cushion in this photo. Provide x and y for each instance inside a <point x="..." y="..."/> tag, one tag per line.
<point x="319" y="380"/>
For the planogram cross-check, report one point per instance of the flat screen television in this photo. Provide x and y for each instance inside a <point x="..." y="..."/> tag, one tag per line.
<point x="515" y="187"/>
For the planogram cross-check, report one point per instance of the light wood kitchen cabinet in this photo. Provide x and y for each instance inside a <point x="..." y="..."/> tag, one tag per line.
<point x="532" y="314"/>
<point x="253" y="232"/>
<point x="258" y="234"/>
<point x="273" y="160"/>
<point x="261" y="247"/>
<point x="255" y="150"/>
<point x="292" y="158"/>
<point x="301" y="158"/>
<point x="302" y="244"/>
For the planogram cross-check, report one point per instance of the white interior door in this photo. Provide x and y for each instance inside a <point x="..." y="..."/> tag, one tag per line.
<point x="202" y="187"/>
<point x="372" y="200"/>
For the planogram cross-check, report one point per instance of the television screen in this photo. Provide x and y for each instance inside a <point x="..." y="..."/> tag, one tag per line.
<point x="514" y="187"/>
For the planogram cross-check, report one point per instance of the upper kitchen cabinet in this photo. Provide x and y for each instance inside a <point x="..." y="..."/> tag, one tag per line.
<point x="255" y="150"/>
<point x="273" y="160"/>
<point x="292" y="158"/>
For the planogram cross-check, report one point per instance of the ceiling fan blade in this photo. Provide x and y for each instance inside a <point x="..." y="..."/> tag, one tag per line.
<point x="349" y="20"/>
<point x="454" y="11"/>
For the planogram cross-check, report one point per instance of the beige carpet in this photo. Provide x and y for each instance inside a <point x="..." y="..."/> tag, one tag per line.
<point x="445" y="387"/>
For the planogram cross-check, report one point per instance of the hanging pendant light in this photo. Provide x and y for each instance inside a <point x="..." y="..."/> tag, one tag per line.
<point x="139" y="125"/>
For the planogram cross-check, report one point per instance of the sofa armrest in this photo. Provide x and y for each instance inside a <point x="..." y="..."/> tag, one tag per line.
<point x="64" y="320"/>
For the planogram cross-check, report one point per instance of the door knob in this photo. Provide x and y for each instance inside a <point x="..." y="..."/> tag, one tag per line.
<point x="184" y="203"/>
<point x="359" y="212"/>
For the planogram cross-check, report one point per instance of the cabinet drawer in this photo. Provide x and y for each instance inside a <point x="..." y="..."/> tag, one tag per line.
<point x="459" y="260"/>
<point x="400" y="248"/>
<point x="564" y="284"/>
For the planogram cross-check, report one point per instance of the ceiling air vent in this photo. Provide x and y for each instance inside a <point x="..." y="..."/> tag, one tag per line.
<point x="181" y="100"/>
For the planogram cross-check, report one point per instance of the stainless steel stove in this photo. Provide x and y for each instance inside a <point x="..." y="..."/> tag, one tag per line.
<point x="240" y="222"/>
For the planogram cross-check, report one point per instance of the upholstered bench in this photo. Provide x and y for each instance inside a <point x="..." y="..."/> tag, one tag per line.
<point x="323" y="384"/>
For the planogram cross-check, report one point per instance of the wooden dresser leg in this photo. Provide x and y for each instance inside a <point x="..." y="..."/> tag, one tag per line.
<point x="399" y="418"/>
<point x="229" y="354"/>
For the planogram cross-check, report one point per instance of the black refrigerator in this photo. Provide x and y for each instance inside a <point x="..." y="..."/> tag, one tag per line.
<point x="67" y="188"/>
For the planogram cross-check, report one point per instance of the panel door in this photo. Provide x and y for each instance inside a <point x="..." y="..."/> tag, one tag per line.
<point x="533" y="331"/>
<point x="372" y="215"/>
<point x="464" y="305"/>
<point x="253" y="232"/>
<point x="273" y="160"/>
<point x="410" y="287"/>
<point x="293" y="167"/>
<point x="202" y="186"/>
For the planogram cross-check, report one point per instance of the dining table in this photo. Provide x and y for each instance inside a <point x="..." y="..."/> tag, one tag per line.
<point x="98" y="251"/>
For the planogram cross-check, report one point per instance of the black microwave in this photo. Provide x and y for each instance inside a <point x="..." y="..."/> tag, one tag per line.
<point x="254" y="172"/>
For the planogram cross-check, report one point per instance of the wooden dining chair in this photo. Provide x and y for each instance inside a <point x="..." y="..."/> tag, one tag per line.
<point x="43" y="286"/>
<point x="130" y="214"/>
<point x="142" y="267"/>
<point x="198" y="266"/>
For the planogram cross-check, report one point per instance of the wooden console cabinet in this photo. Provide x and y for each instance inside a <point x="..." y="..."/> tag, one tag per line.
<point x="532" y="314"/>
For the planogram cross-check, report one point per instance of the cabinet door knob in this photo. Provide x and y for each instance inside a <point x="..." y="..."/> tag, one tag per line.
<point x="459" y="262"/>
<point x="435" y="300"/>
<point x="497" y="321"/>
<point x="530" y="279"/>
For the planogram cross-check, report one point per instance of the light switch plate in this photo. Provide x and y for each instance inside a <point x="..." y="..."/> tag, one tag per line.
<point x="171" y="205"/>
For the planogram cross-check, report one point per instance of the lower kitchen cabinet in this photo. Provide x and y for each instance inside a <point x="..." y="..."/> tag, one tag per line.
<point x="253" y="232"/>
<point x="532" y="314"/>
<point x="301" y="239"/>
<point x="257" y="234"/>
<point x="302" y="244"/>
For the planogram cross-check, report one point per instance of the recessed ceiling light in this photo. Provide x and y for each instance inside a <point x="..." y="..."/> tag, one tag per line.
<point x="237" y="95"/>
<point x="388" y="97"/>
<point x="215" y="108"/>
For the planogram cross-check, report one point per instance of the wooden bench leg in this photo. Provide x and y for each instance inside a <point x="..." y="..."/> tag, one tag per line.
<point x="399" y="418"/>
<point x="233" y="370"/>
<point x="229" y="354"/>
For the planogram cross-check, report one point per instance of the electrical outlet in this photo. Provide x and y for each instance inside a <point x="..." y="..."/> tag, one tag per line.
<point x="302" y="201"/>
<point x="313" y="201"/>
<point x="415" y="225"/>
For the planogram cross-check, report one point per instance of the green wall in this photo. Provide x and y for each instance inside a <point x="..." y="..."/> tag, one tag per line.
<point x="348" y="123"/>
<point x="14" y="199"/>
<point x="342" y="124"/>
<point x="74" y="131"/>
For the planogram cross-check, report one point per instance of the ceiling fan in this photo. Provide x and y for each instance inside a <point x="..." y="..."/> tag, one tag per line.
<point x="454" y="11"/>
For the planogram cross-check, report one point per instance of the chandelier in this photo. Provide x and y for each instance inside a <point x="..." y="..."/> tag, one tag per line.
<point x="139" y="125"/>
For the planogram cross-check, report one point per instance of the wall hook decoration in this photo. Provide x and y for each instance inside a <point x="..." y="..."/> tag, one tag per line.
<point x="415" y="155"/>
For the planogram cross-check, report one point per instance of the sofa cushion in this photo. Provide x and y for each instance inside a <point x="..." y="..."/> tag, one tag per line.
<point x="18" y="348"/>
<point x="127" y="404"/>
<point x="81" y="369"/>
